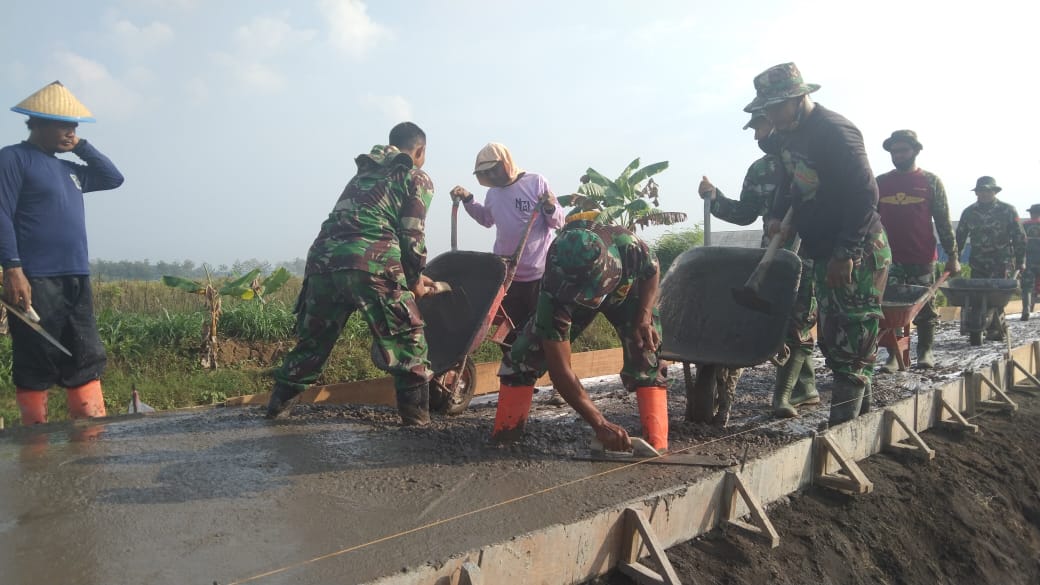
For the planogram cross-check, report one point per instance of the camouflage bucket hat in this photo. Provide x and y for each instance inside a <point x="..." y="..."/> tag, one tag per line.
<point x="581" y="268"/>
<point x="907" y="136"/>
<point x="778" y="83"/>
<point x="755" y="117"/>
<point x="987" y="183"/>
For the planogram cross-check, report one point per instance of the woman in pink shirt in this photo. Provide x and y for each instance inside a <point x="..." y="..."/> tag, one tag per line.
<point x="513" y="195"/>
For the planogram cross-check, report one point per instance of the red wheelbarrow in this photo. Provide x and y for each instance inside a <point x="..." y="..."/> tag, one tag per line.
<point x="459" y="320"/>
<point x="899" y="306"/>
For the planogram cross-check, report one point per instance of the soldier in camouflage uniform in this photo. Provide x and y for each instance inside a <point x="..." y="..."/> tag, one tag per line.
<point x="998" y="243"/>
<point x="1032" y="229"/>
<point x="834" y="195"/>
<point x="590" y="269"/>
<point x="369" y="257"/>
<point x="910" y="200"/>
<point x="795" y="380"/>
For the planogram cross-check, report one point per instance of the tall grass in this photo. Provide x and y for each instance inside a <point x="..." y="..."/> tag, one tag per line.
<point x="153" y="336"/>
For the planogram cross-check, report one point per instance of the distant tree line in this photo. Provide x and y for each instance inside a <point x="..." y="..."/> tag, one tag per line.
<point x="107" y="270"/>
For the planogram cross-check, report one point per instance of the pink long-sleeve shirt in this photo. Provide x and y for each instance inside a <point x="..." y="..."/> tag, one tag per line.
<point x="509" y="208"/>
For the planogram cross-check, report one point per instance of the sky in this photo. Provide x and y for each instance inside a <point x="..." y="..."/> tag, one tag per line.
<point x="236" y="122"/>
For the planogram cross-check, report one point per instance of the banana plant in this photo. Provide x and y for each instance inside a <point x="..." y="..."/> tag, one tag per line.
<point x="246" y="287"/>
<point x="630" y="201"/>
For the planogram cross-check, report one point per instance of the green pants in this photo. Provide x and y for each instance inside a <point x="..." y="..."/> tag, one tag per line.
<point x="850" y="314"/>
<point x="327" y="301"/>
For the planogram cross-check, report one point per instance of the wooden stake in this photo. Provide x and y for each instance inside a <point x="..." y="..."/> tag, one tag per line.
<point x="849" y="479"/>
<point x="761" y="525"/>
<point x="1034" y="384"/>
<point x="919" y="447"/>
<point x="958" y="422"/>
<point x="1004" y="401"/>
<point x="637" y="526"/>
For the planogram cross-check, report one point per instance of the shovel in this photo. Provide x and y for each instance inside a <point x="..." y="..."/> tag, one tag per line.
<point x="748" y="295"/>
<point x="30" y="318"/>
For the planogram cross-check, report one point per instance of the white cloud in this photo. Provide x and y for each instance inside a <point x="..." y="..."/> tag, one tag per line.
<point x="253" y="74"/>
<point x="196" y="90"/>
<point x="92" y="83"/>
<point x="350" y="28"/>
<point x="394" y="107"/>
<point x="135" y="40"/>
<point x="267" y="35"/>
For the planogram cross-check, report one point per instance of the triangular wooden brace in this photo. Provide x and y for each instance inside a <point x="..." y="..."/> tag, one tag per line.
<point x="469" y="574"/>
<point x="958" y="422"/>
<point x="760" y="525"/>
<point x="849" y="479"/>
<point x="1002" y="401"/>
<point x="1034" y="384"/>
<point x="918" y="446"/>
<point x="636" y="526"/>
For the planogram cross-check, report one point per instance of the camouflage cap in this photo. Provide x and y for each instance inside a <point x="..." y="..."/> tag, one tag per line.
<point x="581" y="268"/>
<point x="907" y="136"/>
<point x="987" y="183"/>
<point x="755" y="117"/>
<point x="1034" y="209"/>
<point x="778" y="83"/>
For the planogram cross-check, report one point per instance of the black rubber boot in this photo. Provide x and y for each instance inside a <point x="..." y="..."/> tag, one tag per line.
<point x="868" y="399"/>
<point x="413" y="404"/>
<point x="786" y="378"/>
<point x="805" y="393"/>
<point x="283" y="398"/>
<point x="1027" y="304"/>
<point x="846" y="400"/>
<point x="925" y="341"/>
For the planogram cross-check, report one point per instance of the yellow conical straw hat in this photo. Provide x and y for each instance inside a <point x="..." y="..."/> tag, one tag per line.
<point x="54" y="102"/>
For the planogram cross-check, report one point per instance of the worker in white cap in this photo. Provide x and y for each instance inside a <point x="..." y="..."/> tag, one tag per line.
<point x="43" y="251"/>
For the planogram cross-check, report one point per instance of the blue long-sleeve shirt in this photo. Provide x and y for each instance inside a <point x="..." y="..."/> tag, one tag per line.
<point x="42" y="221"/>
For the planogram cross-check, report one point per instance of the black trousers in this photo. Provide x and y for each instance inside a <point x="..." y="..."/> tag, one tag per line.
<point x="66" y="308"/>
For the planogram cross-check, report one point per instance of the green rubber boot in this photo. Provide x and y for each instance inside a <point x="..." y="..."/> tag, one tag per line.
<point x="786" y="378"/>
<point x="805" y="393"/>
<point x="925" y="340"/>
<point x="846" y="400"/>
<point x="891" y="365"/>
<point x="868" y="399"/>
<point x="413" y="404"/>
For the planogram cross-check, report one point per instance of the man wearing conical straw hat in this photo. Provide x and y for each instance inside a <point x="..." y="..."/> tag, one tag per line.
<point x="43" y="251"/>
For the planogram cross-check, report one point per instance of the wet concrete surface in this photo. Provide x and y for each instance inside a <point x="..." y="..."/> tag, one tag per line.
<point x="341" y="493"/>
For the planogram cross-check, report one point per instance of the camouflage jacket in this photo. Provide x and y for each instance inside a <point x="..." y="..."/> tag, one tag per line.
<point x="995" y="233"/>
<point x="378" y="223"/>
<point x="761" y="183"/>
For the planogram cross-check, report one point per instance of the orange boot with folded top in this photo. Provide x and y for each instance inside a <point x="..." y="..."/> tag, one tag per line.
<point x="33" y="405"/>
<point x="86" y="401"/>
<point x="514" y="403"/>
<point x="653" y="414"/>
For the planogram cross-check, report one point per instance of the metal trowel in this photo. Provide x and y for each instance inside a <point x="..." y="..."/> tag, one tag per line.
<point x="30" y="318"/>
<point x="644" y="452"/>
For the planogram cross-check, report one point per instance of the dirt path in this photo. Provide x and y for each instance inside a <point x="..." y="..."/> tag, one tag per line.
<point x="970" y="516"/>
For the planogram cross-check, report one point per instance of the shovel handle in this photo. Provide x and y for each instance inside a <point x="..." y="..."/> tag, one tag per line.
<point x="454" y="225"/>
<point x="755" y="280"/>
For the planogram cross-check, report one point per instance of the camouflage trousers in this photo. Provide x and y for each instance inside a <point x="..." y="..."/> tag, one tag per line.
<point x="916" y="275"/>
<point x="1028" y="284"/>
<point x="996" y="268"/>
<point x="525" y="363"/>
<point x="329" y="299"/>
<point x="850" y="314"/>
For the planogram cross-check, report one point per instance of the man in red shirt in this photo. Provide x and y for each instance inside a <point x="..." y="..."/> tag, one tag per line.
<point x="910" y="200"/>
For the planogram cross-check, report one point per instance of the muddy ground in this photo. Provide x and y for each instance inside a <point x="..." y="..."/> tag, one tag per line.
<point x="219" y="495"/>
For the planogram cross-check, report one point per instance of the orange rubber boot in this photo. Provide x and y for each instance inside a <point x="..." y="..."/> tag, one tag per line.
<point x="33" y="405"/>
<point x="514" y="403"/>
<point x="653" y="414"/>
<point x="86" y="401"/>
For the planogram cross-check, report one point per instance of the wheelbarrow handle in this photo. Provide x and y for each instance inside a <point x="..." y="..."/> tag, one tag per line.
<point x="454" y="224"/>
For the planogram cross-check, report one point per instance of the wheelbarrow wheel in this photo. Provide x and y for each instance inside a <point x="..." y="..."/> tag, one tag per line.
<point x="975" y="337"/>
<point x="443" y="399"/>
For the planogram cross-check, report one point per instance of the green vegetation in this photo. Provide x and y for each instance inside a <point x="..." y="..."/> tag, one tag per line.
<point x="669" y="246"/>
<point x="154" y="334"/>
<point x="625" y="201"/>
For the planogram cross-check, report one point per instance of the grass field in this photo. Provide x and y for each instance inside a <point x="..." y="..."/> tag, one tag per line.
<point x="153" y="335"/>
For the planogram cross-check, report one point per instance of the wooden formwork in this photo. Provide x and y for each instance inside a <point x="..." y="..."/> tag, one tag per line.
<point x="618" y="537"/>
